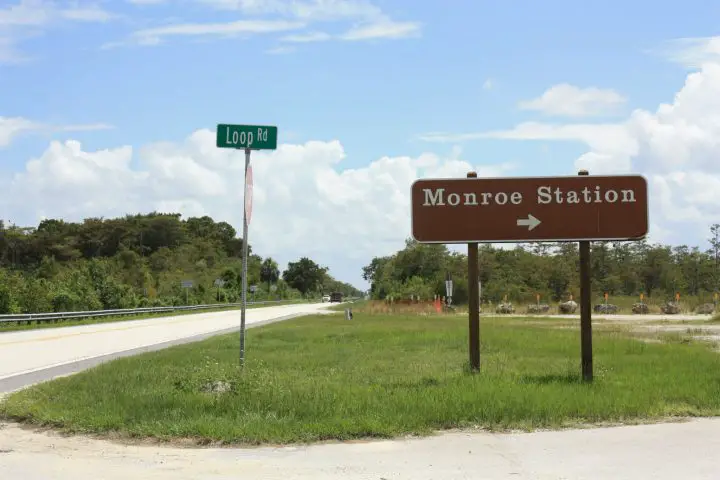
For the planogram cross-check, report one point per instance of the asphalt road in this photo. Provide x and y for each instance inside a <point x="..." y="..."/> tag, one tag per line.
<point x="32" y="356"/>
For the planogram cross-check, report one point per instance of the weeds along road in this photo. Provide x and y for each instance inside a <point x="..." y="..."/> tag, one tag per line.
<point x="32" y="356"/>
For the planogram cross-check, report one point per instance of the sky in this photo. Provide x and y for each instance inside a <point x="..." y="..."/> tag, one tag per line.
<point x="110" y="107"/>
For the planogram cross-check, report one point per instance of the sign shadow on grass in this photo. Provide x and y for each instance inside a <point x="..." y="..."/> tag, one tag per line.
<point x="552" y="378"/>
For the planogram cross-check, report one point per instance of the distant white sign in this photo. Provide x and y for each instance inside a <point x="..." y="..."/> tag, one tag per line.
<point x="449" y="287"/>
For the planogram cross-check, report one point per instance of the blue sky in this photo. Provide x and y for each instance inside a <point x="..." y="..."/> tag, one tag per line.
<point x="457" y="66"/>
<point x="375" y="96"/>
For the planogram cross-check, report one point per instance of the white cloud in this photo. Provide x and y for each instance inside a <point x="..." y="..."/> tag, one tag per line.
<point x="310" y="10"/>
<point x="568" y="100"/>
<point x="612" y="144"/>
<point x="302" y="193"/>
<point x="26" y="18"/>
<point x="152" y="36"/>
<point x="302" y="190"/>
<point x="692" y="52"/>
<point x="43" y="12"/>
<point x="280" y="50"/>
<point x="369" y="22"/>
<point x="488" y="84"/>
<point x="307" y="37"/>
<point x="383" y="29"/>
<point x="8" y="51"/>
<point x="81" y="127"/>
<point x="329" y="10"/>
<point x="91" y="13"/>
<point x="677" y="147"/>
<point x="25" y="13"/>
<point x="10" y="127"/>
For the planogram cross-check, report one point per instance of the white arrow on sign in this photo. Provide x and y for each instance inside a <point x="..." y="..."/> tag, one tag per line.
<point x="530" y="222"/>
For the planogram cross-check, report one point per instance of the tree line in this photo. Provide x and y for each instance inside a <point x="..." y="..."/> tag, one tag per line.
<point x="550" y="270"/>
<point x="141" y="260"/>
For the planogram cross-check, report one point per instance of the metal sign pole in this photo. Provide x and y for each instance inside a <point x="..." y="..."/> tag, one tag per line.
<point x="473" y="302"/>
<point x="586" y="350"/>
<point x="244" y="265"/>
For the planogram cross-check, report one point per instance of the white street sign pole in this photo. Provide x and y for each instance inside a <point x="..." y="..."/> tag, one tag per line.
<point x="244" y="264"/>
<point x="449" y="289"/>
<point x="479" y="294"/>
<point x="246" y="137"/>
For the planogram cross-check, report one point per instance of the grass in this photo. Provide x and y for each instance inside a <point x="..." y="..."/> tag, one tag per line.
<point x="321" y="378"/>
<point x="13" y="326"/>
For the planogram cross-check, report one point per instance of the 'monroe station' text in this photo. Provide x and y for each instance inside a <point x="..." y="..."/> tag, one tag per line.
<point x="545" y="194"/>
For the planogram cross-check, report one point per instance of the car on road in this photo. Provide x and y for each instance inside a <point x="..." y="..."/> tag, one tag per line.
<point x="326" y="298"/>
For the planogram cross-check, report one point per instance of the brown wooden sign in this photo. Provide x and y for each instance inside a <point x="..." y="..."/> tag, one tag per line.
<point x="466" y="210"/>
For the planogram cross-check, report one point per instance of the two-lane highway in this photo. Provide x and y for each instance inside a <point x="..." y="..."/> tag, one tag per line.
<point x="31" y="356"/>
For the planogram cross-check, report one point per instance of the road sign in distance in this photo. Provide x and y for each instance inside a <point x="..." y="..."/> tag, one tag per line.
<point x="254" y="137"/>
<point x="449" y="287"/>
<point x="186" y="284"/>
<point x="465" y="210"/>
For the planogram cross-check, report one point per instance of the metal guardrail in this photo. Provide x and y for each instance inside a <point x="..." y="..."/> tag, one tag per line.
<point x="55" y="316"/>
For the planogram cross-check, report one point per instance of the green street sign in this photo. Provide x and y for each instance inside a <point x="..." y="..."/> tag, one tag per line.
<point x="254" y="137"/>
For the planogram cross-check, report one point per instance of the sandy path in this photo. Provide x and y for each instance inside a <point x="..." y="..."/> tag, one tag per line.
<point x="664" y="451"/>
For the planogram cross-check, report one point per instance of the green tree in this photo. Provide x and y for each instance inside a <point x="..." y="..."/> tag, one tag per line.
<point x="6" y="300"/>
<point x="715" y="253"/>
<point x="559" y="279"/>
<point x="130" y="261"/>
<point x="269" y="272"/>
<point x="304" y="275"/>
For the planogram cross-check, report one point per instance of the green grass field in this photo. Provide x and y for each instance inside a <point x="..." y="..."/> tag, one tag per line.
<point x="320" y="378"/>
<point x="15" y="326"/>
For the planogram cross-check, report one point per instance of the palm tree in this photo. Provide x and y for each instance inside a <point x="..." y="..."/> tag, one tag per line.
<point x="269" y="272"/>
